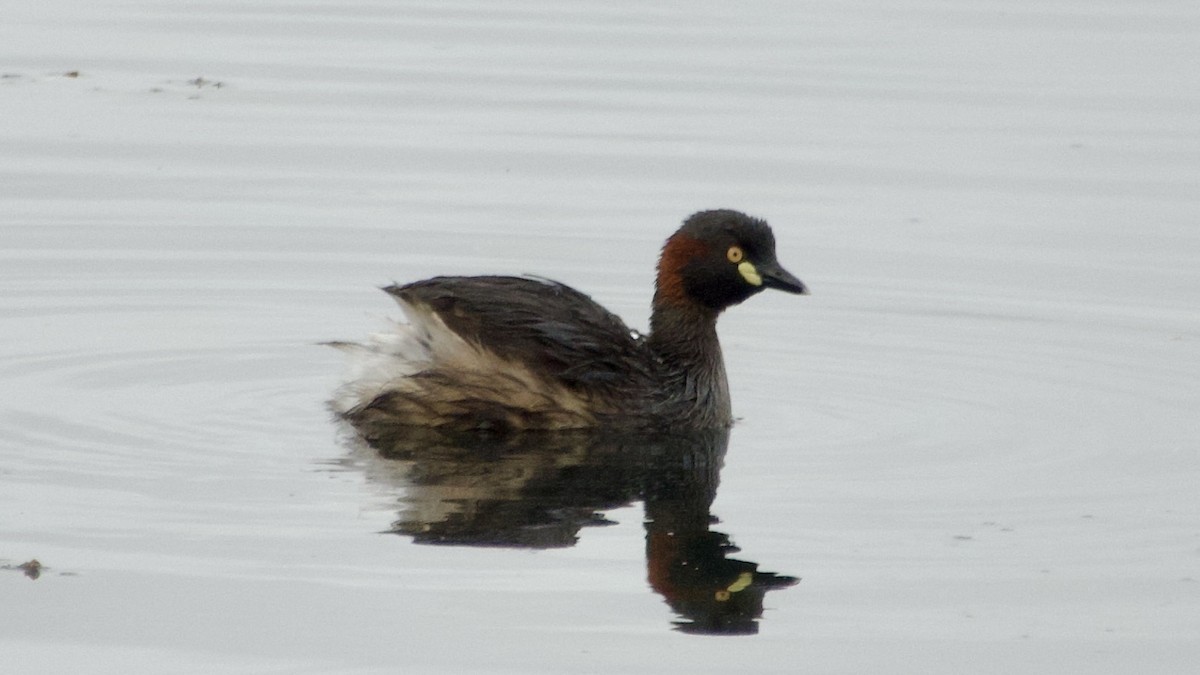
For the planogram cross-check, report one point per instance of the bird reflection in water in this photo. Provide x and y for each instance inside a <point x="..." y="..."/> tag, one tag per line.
<point x="540" y="490"/>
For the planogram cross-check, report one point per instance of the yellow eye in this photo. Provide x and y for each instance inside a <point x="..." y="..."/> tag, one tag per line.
<point x="735" y="254"/>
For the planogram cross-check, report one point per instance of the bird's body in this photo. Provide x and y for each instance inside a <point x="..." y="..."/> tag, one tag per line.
<point x="506" y="354"/>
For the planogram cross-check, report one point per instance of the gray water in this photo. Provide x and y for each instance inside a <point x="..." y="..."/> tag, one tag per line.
<point x="975" y="443"/>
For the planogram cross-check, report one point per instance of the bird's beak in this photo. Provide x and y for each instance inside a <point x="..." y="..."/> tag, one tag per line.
<point x="774" y="276"/>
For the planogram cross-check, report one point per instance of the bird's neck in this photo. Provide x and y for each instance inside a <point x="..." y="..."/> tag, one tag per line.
<point x="684" y="338"/>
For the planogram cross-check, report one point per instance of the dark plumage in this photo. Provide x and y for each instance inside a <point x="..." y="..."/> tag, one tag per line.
<point x="515" y="353"/>
<point x="555" y="330"/>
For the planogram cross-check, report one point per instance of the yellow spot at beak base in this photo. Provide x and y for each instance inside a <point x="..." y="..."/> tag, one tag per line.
<point x="750" y="273"/>
<point x="743" y="582"/>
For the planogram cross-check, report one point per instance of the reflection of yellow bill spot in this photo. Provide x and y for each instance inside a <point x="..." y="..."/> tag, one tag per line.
<point x="749" y="273"/>
<point x="743" y="581"/>
<point x="740" y="584"/>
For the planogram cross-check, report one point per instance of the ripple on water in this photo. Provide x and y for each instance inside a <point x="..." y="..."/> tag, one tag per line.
<point x="126" y="369"/>
<point x="164" y="413"/>
<point x="152" y="403"/>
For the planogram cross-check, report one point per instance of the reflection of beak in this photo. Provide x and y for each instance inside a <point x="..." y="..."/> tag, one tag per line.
<point x="774" y="276"/>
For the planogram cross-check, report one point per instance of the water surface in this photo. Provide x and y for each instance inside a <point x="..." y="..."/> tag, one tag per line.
<point x="975" y="443"/>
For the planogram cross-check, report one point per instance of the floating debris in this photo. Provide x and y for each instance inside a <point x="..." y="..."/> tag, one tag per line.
<point x="32" y="569"/>
<point x="200" y="83"/>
